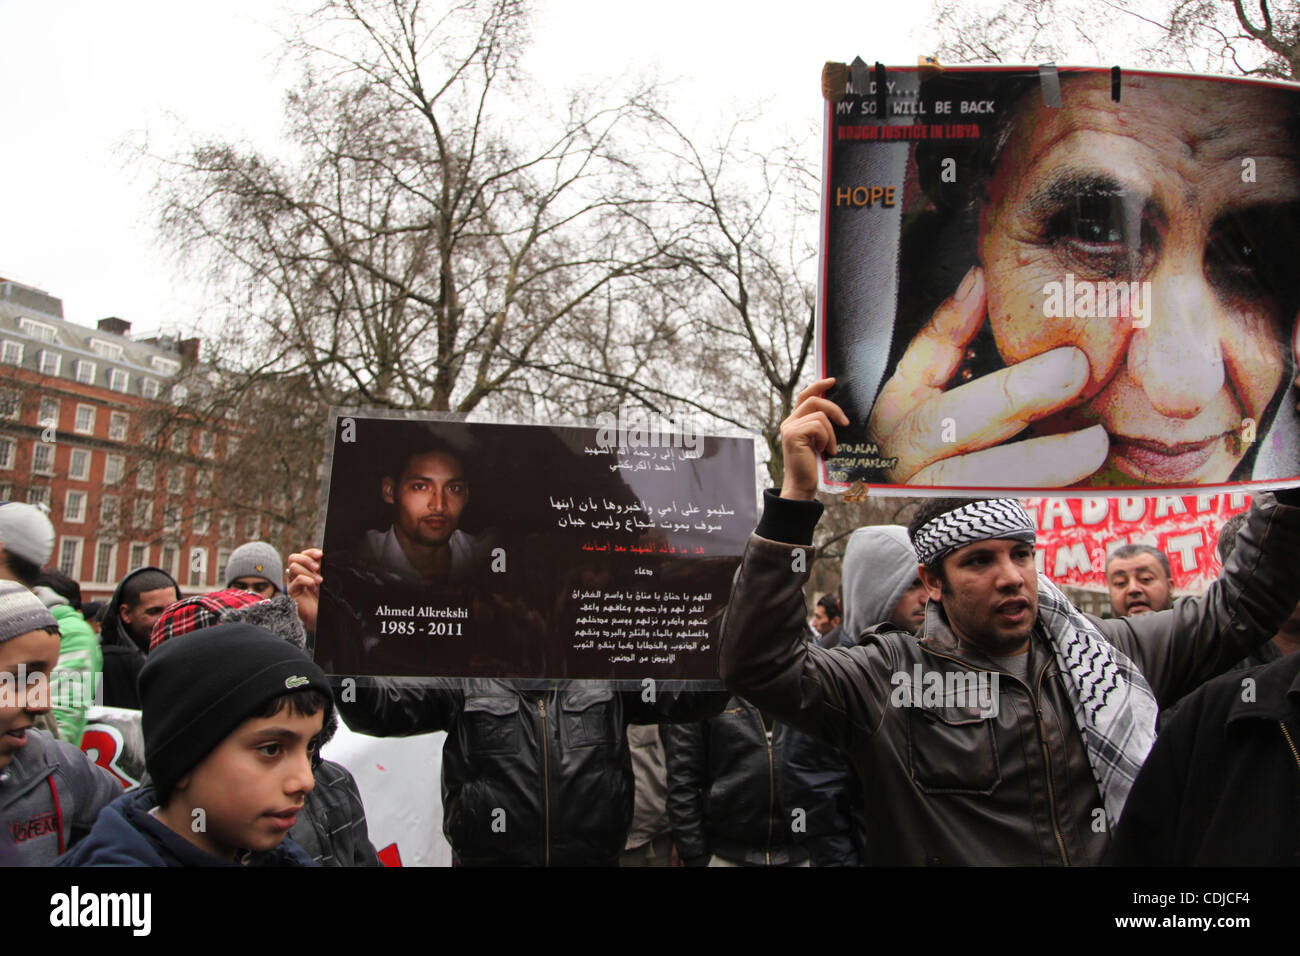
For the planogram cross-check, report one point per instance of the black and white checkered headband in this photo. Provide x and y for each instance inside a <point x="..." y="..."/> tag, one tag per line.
<point x="977" y="521"/>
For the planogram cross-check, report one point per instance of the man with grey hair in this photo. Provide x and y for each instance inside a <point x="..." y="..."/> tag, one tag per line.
<point x="1010" y="729"/>
<point x="1139" y="580"/>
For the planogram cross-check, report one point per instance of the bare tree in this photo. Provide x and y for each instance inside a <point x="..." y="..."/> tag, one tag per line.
<point x="1251" y="37"/>
<point x="434" y="237"/>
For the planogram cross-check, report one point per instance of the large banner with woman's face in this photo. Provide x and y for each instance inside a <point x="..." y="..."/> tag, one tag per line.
<point x="1042" y="279"/>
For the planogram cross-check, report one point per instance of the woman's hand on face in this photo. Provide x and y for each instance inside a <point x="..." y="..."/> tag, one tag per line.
<point x="948" y="438"/>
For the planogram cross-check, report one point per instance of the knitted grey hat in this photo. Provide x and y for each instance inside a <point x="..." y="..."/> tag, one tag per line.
<point x="21" y="611"/>
<point x="26" y="532"/>
<point x="257" y="559"/>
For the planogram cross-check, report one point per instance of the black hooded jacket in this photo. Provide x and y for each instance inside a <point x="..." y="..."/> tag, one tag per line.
<point x="122" y="659"/>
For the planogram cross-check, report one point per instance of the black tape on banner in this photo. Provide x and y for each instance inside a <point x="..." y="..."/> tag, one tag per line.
<point x="1050" y="82"/>
<point x="882" y="93"/>
<point x="1114" y="83"/>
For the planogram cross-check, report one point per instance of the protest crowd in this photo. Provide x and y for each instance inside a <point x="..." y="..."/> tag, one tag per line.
<point x="951" y="706"/>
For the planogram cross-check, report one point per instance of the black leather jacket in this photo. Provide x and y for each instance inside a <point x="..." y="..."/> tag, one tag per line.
<point x="728" y="789"/>
<point x="957" y="784"/>
<point x="529" y="778"/>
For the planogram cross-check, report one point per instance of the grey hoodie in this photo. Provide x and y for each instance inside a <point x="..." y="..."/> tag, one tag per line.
<point x="879" y="566"/>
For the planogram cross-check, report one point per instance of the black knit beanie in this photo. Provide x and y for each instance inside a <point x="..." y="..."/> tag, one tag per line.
<point x="196" y="688"/>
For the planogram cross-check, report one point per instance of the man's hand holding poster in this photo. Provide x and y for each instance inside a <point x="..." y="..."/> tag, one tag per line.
<point x="1065" y="279"/>
<point x="467" y="550"/>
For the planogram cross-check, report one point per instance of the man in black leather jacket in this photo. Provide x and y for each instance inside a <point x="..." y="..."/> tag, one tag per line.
<point x="530" y="776"/>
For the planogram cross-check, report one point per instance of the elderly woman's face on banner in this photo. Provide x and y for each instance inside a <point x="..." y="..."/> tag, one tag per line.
<point x="1150" y="190"/>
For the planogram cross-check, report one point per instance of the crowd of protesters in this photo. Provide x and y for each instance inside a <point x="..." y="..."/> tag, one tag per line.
<point x="949" y="707"/>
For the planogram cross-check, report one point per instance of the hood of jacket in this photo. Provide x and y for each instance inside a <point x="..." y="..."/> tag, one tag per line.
<point x="879" y="566"/>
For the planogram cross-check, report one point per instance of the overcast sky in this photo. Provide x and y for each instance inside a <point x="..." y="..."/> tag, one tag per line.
<point x="80" y="77"/>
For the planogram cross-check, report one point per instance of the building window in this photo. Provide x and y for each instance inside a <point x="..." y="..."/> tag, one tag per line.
<point x="201" y="521"/>
<point x="108" y="350"/>
<point x="139" y="556"/>
<point x="37" y="330"/>
<point x="167" y="560"/>
<point x="108" y="510"/>
<point x="207" y="444"/>
<point x="118" y="380"/>
<point x="232" y="446"/>
<point x="70" y="557"/>
<point x="203" y="484"/>
<point x="198" y="566"/>
<point x="11" y="403"/>
<point x="179" y="394"/>
<point x="85" y="423"/>
<point x="6" y="491"/>
<point x="79" y="464"/>
<point x="49" y="412"/>
<point x="176" y="481"/>
<point x="7" y="449"/>
<point x="12" y="353"/>
<point x="149" y="387"/>
<point x="144" y="476"/>
<point x="105" y="561"/>
<point x="74" y="507"/>
<point x="117" y="425"/>
<point x="85" y="372"/>
<point x="143" y="512"/>
<point x="180" y="441"/>
<point x="50" y="362"/>
<point x="253" y="527"/>
<point x="39" y="496"/>
<point x="223" y="558"/>
<point x="166" y="366"/>
<point x="42" y="458"/>
<point x="172" y="519"/>
<point x="114" y="465"/>
<point x="227" y="526"/>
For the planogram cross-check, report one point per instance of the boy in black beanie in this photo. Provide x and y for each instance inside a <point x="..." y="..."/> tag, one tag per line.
<point x="232" y="716"/>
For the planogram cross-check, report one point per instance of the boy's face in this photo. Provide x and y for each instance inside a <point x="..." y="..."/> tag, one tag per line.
<point x="24" y="696"/>
<point x="252" y="786"/>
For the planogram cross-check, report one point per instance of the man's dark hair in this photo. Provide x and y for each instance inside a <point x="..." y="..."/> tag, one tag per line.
<point x="1134" y="550"/>
<point x="1228" y="536"/>
<point x="831" y="605"/>
<point x="300" y="703"/>
<point x="427" y="444"/>
<point x="62" y="585"/>
<point x="146" y="580"/>
<point x="94" y="610"/>
<point x="926" y="512"/>
<point x="26" y="573"/>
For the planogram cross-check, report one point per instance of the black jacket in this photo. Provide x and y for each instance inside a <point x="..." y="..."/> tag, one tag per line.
<point x="529" y="777"/>
<point x="122" y="659"/>
<point x="1221" y="786"/>
<point x="728" y="792"/>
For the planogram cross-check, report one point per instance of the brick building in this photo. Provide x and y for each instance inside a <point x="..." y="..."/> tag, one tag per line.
<point x="88" y="428"/>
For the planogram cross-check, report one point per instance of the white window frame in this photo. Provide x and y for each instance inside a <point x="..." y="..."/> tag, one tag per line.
<point x="43" y="360"/>
<point x="76" y="422"/>
<point x="37" y="330"/>
<point x="114" y="420"/>
<point x="178" y="394"/>
<point x="48" y="469"/>
<point x="142" y="513"/>
<point x="11" y="352"/>
<point x="49" y="414"/>
<point x="202" y="521"/>
<point x="6" y="491"/>
<point x="84" y="473"/>
<point x="109" y="460"/>
<point x="175" y="484"/>
<point x="75" y="571"/>
<point x="173" y="515"/>
<point x="207" y="444"/>
<point x="111" y="574"/>
<point x="202" y="570"/>
<point x="110" y="516"/>
<point x="223" y="560"/>
<point x="144" y="475"/>
<point x="168" y="565"/>
<point x="166" y="366"/>
<point x="39" y="495"/>
<point x="131" y="555"/>
<point x="150" y="388"/>
<point x="108" y="350"/>
<point x="86" y="372"/>
<point x="8" y="396"/>
<point x="116" y="375"/>
<point x="8" y="452"/>
<point x="77" y="516"/>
